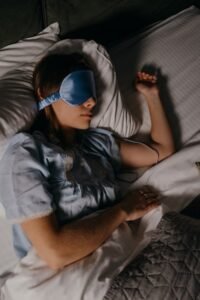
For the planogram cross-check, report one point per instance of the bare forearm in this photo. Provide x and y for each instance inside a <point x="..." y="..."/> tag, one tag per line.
<point x="59" y="247"/>
<point x="80" y="238"/>
<point x="160" y="129"/>
<point x="161" y="134"/>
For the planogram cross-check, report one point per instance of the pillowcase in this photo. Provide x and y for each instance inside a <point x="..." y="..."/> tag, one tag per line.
<point x="28" y="49"/>
<point x="16" y="90"/>
<point x="16" y="93"/>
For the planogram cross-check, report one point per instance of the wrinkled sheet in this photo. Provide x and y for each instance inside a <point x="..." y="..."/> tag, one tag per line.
<point x="178" y="180"/>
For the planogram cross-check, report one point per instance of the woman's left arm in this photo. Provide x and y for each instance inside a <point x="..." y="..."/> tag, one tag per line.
<point x="162" y="144"/>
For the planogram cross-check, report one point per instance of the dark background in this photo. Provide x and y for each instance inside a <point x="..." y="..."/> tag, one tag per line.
<point x="105" y="21"/>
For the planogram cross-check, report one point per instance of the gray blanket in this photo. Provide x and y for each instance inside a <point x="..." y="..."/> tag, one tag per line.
<point x="169" y="268"/>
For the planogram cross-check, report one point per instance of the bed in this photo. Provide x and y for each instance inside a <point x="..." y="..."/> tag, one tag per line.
<point x="130" y="263"/>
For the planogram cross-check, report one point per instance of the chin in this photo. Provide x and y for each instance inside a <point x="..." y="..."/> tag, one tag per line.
<point x="84" y="126"/>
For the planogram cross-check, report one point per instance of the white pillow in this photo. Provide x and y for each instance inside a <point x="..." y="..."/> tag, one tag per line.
<point x="17" y="62"/>
<point x="28" y="49"/>
<point x="17" y="98"/>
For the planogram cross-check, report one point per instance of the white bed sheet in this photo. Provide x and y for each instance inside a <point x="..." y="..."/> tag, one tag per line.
<point x="174" y="46"/>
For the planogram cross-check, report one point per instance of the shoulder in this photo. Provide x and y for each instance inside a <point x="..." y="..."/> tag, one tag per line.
<point x="25" y="146"/>
<point x="19" y="139"/>
<point x="98" y="133"/>
<point x="15" y="143"/>
<point x="104" y="143"/>
<point x="99" y="130"/>
<point x="36" y="140"/>
<point x="97" y="136"/>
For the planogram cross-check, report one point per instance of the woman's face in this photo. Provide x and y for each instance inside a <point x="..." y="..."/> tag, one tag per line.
<point x="78" y="116"/>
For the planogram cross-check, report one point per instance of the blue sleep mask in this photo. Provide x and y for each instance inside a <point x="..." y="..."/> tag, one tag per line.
<point x="75" y="89"/>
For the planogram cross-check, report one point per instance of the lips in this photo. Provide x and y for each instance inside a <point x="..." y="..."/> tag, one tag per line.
<point x="87" y="115"/>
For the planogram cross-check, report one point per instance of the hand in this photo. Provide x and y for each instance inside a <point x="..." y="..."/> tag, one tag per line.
<point x="146" y="84"/>
<point x="137" y="203"/>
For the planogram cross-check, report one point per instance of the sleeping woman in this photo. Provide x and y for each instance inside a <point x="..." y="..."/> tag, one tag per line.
<point x="61" y="171"/>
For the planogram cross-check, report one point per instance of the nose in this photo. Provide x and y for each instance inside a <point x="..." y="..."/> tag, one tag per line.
<point x="90" y="103"/>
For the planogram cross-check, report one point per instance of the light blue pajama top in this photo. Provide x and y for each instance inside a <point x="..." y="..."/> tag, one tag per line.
<point x="38" y="177"/>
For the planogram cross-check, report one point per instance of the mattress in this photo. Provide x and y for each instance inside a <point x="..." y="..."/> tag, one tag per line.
<point x="172" y="46"/>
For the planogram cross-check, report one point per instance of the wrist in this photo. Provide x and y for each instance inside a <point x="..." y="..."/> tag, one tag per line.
<point x="121" y="212"/>
<point x="153" y="95"/>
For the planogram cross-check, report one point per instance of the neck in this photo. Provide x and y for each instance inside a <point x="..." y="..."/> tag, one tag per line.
<point x="69" y="136"/>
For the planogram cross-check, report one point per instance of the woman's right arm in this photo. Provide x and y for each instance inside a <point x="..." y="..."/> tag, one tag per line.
<point x="61" y="247"/>
<point x="27" y="198"/>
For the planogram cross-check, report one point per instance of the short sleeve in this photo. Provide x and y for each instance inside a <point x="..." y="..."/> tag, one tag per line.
<point x="104" y="143"/>
<point x="24" y="187"/>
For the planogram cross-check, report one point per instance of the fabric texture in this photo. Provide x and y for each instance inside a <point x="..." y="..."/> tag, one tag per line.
<point x="8" y="257"/>
<point x="17" y="62"/>
<point x="172" y="48"/>
<point x="31" y="278"/>
<point x="38" y="177"/>
<point x="27" y="50"/>
<point x="169" y="268"/>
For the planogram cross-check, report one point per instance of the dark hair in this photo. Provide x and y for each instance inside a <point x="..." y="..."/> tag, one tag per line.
<point x="51" y="70"/>
<point x="47" y="78"/>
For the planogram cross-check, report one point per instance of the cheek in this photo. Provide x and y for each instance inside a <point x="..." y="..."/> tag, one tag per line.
<point x="70" y="115"/>
<point x="64" y="111"/>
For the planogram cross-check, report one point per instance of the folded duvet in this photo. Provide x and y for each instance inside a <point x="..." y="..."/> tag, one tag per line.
<point x="168" y="268"/>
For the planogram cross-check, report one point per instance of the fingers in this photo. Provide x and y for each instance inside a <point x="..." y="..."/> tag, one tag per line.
<point x="148" y="194"/>
<point x="140" y="202"/>
<point x="145" y="77"/>
<point x="149" y="197"/>
<point x="152" y="205"/>
<point x="147" y="188"/>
